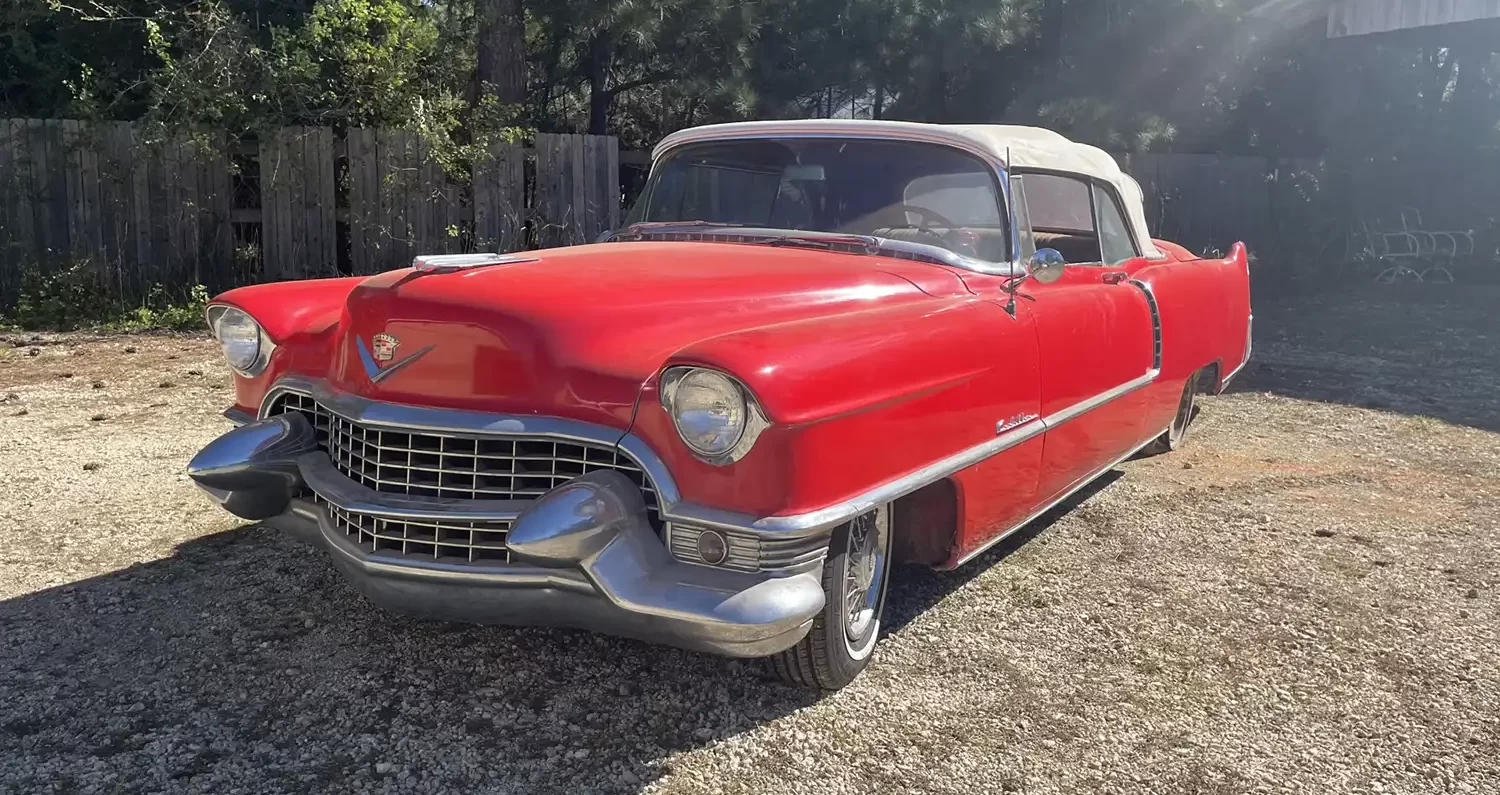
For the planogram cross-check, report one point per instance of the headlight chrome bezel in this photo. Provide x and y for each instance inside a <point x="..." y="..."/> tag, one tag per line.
<point x="755" y="418"/>
<point x="216" y="314"/>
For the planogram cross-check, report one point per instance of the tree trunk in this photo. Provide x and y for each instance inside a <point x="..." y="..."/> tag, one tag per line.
<point x="501" y="41"/>
<point x="601" y="59"/>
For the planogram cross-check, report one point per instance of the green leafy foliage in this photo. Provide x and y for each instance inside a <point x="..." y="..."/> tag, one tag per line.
<point x="1190" y="75"/>
<point x="69" y="298"/>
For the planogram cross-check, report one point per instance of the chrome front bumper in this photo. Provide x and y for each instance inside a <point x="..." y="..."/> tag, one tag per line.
<point x="583" y="555"/>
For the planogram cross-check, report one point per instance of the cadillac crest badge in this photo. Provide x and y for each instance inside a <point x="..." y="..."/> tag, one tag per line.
<point x="383" y="347"/>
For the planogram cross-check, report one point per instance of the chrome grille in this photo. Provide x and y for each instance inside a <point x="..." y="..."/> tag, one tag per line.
<point x="443" y="540"/>
<point x="439" y="465"/>
<point x="426" y="464"/>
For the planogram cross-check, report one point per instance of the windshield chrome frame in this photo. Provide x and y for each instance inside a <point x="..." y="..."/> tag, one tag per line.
<point x="1012" y="268"/>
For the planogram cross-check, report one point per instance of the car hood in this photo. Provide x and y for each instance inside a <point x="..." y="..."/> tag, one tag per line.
<point x="576" y="332"/>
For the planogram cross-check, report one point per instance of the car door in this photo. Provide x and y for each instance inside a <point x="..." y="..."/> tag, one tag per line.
<point x="1095" y="328"/>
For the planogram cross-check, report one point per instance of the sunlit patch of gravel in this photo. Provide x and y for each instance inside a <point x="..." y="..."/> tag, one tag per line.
<point x="1304" y="600"/>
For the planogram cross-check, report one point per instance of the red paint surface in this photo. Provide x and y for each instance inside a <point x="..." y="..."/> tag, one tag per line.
<point x="869" y="368"/>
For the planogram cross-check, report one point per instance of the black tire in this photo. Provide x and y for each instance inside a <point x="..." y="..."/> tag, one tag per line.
<point x="1182" y="422"/>
<point x="839" y="645"/>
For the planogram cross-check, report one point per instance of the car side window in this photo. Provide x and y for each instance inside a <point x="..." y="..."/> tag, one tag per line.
<point x="1062" y="216"/>
<point x="1114" y="235"/>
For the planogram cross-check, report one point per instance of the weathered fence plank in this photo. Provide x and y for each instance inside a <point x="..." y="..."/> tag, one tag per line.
<point x="573" y="196"/>
<point x="299" y="212"/>
<point x="11" y="246"/>
<point x="500" y="200"/>
<point x="363" y="199"/>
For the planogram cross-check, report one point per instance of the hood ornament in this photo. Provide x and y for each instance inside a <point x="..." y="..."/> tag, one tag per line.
<point x="452" y="263"/>
<point x="382" y="348"/>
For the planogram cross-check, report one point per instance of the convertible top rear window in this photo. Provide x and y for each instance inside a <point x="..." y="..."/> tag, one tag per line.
<point x="902" y="190"/>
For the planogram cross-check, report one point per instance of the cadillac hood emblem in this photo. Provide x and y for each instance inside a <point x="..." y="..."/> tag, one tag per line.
<point x="379" y="358"/>
<point x="383" y="346"/>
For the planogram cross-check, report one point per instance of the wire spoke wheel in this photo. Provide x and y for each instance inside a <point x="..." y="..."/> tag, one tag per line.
<point x="864" y="579"/>
<point x="842" y="637"/>
<point x="860" y="578"/>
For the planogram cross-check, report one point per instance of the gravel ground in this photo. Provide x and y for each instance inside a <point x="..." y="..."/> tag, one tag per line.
<point x="1303" y="600"/>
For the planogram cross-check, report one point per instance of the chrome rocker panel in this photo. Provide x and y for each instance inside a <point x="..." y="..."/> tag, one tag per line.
<point x="583" y="555"/>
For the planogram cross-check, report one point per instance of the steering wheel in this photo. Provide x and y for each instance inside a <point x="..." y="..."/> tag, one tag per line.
<point x="927" y="219"/>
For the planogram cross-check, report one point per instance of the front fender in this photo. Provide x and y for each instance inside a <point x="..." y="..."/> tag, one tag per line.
<point x="300" y="317"/>
<point x="855" y="400"/>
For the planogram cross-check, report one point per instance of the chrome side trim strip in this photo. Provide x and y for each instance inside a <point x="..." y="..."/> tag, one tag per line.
<point x="673" y="508"/>
<point x="837" y="514"/>
<point x="1085" y="406"/>
<point x="1074" y="489"/>
<point x="824" y="518"/>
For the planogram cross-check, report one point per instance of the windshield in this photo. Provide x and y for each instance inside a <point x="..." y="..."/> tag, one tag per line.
<point x="899" y="190"/>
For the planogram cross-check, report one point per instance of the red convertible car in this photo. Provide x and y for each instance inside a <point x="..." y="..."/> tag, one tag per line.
<point x="815" y="349"/>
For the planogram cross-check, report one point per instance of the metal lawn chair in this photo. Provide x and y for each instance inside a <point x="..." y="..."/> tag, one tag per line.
<point x="1459" y="243"/>
<point x="1394" y="249"/>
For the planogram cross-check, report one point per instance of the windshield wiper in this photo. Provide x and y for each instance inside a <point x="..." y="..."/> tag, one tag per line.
<point x="639" y="228"/>
<point x="760" y="236"/>
<point x="824" y="240"/>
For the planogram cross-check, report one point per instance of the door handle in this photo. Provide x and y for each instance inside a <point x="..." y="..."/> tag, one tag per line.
<point x="1115" y="277"/>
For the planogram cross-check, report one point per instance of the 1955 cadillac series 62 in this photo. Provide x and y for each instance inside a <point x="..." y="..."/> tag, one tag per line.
<point x="814" y="350"/>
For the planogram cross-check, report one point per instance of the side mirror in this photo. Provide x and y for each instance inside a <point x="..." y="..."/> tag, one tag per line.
<point x="1046" y="265"/>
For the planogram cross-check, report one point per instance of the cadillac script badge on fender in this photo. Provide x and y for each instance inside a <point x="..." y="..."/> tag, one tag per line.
<point x="383" y="347"/>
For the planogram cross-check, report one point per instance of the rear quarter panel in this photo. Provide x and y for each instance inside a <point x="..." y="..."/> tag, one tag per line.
<point x="1205" y="317"/>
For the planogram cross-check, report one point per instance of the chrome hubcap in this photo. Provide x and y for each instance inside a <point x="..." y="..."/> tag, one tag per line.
<point x="862" y="575"/>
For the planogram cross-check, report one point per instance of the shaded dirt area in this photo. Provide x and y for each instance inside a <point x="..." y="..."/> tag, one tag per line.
<point x="1302" y="600"/>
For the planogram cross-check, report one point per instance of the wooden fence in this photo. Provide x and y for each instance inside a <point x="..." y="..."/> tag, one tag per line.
<point x="300" y="202"/>
<point x="305" y="201"/>
<point x="1209" y="202"/>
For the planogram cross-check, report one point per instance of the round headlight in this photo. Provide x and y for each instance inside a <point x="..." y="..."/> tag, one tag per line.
<point x="239" y="336"/>
<point x="709" y="410"/>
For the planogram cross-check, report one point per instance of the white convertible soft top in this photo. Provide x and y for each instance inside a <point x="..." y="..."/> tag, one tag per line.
<point x="1001" y="144"/>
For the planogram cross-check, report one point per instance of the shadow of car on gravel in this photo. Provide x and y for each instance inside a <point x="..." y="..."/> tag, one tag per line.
<point x="244" y="662"/>
<point x="916" y="589"/>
